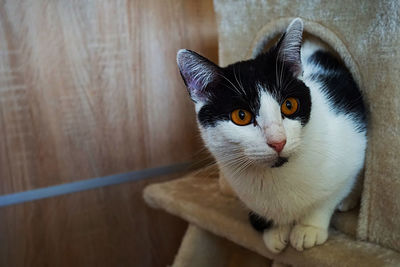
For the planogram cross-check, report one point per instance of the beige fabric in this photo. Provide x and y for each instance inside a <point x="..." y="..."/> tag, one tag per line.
<point x="200" y="248"/>
<point x="367" y="35"/>
<point x="197" y="199"/>
<point x="225" y="187"/>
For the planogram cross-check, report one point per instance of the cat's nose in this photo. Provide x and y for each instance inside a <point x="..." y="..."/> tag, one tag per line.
<point x="277" y="145"/>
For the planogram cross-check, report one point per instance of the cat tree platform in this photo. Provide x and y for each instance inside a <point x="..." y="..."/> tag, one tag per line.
<point x="217" y="222"/>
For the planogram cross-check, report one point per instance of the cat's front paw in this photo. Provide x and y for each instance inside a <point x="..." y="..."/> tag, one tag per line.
<point x="307" y="236"/>
<point x="276" y="238"/>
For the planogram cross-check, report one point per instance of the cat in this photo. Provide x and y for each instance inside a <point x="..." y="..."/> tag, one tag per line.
<point x="288" y="130"/>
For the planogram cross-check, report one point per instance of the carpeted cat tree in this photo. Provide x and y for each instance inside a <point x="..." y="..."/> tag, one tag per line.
<point x="366" y="35"/>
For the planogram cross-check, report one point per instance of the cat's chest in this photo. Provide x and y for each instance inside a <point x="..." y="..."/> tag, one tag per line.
<point x="275" y="197"/>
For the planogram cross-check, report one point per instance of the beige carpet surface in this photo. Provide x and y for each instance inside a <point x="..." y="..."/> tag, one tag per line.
<point x="200" y="248"/>
<point x="197" y="199"/>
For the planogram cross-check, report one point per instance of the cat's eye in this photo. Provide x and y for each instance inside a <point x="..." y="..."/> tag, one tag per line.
<point x="241" y="117"/>
<point x="289" y="106"/>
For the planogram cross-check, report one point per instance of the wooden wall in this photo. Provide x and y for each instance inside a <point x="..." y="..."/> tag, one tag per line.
<point x="88" y="89"/>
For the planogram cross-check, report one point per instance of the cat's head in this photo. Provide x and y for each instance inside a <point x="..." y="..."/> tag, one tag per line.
<point x="252" y="111"/>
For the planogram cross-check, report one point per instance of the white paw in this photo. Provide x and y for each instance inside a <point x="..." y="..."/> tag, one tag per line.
<point x="276" y="238"/>
<point x="306" y="236"/>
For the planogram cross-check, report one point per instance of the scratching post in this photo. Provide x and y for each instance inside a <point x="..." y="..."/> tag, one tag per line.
<point x="366" y="35"/>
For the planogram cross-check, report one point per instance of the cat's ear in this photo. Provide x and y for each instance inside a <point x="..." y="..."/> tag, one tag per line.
<point x="290" y="44"/>
<point x="197" y="73"/>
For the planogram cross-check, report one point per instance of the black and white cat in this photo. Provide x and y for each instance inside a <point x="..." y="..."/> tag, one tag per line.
<point x="288" y="131"/>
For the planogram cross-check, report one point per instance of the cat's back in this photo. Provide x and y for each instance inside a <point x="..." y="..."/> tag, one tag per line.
<point x="334" y="81"/>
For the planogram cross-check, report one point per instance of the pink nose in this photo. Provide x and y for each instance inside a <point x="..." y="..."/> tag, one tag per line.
<point x="277" y="146"/>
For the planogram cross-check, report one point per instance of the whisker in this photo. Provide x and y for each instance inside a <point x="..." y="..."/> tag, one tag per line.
<point x="236" y="89"/>
<point x="241" y="87"/>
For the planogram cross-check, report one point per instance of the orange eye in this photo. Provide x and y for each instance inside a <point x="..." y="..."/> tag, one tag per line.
<point x="289" y="106"/>
<point x="241" y="117"/>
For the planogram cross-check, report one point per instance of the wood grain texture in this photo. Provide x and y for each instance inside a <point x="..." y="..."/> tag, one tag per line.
<point x="87" y="89"/>
<point x="91" y="88"/>
<point x="110" y="226"/>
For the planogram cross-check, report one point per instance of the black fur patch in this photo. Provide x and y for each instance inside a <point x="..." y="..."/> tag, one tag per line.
<point x="239" y="87"/>
<point x="340" y="87"/>
<point x="280" y="162"/>
<point x="258" y="222"/>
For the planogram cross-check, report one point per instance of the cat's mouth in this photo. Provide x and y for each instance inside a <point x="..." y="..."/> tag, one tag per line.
<point x="273" y="161"/>
<point x="279" y="162"/>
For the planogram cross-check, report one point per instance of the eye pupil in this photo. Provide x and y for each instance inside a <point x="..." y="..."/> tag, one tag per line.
<point x="241" y="117"/>
<point x="241" y="114"/>
<point x="288" y="104"/>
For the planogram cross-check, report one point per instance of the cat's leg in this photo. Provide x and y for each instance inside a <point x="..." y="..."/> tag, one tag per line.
<point x="312" y="230"/>
<point x="277" y="238"/>
<point x="224" y="186"/>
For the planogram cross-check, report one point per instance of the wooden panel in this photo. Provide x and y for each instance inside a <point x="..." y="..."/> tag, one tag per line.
<point x="111" y="226"/>
<point x="91" y="88"/>
<point x="87" y="89"/>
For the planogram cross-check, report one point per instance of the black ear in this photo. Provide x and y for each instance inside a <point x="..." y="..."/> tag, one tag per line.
<point x="197" y="73"/>
<point x="289" y="46"/>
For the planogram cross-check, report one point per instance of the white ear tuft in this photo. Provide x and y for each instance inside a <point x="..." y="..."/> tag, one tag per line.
<point x="290" y="44"/>
<point x="197" y="72"/>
